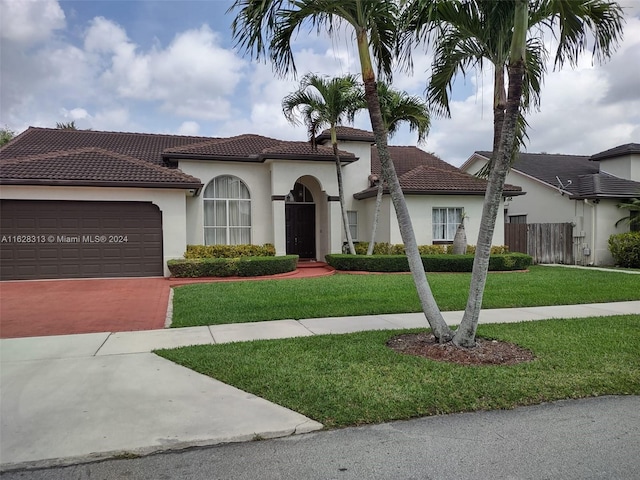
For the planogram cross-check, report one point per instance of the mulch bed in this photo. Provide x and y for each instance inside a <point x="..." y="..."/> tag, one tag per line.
<point x="486" y="351"/>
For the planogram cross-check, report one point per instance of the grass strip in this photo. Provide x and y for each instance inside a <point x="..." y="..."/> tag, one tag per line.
<point x="347" y="295"/>
<point x="354" y="379"/>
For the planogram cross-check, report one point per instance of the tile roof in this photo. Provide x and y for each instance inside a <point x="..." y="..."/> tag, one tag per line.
<point x="144" y="146"/>
<point x="91" y="166"/>
<point x="603" y="185"/>
<point x="347" y="134"/>
<point x="620" y="150"/>
<point x="559" y="171"/>
<point x="255" y="148"/>
<point x="578" y="175"/>
<point x="79" y="157"/>
<point x="421" y="173"/>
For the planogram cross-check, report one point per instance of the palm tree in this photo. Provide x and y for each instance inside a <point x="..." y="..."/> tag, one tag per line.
<point x="326" y="102"/>
<point x="375" y="25"/>
<point x="471" y="33"/>
<point x="397" y="107"/>
<point x="633" y="219"/>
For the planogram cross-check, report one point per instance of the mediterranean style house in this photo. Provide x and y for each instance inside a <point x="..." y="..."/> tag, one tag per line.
<point x="582" y="190"/>
<point x="90" y="204"/>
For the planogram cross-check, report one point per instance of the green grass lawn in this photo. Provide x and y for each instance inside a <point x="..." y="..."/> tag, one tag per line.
<point x="354" y="379"/>
<point x="345" y="295"/>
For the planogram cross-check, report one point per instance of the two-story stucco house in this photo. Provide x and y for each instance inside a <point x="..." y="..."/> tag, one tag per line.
<point x="583" y="190"/>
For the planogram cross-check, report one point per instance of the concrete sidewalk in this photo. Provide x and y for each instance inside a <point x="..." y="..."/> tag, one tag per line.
<point x="70" y="398"/>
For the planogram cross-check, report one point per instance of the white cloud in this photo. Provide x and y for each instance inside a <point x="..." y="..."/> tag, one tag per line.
<point x="28" y="22"/>
<point x="189" y="128"/>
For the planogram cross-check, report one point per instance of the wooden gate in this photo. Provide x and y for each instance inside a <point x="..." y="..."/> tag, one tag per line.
<point x="545" y="242"/>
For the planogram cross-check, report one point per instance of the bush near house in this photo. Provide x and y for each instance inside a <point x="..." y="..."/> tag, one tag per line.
<point x="625" y="249"/>
<point x="232" y="267"/>
<point x="383" y="248"/>
<point x="432" y="263"/>
<point x="229" y="251"/>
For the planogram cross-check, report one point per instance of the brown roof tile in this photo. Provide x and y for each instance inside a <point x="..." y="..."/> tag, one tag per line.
<point x="144" y="146"/>
<point x="91" y="166"/>
<point x="422" y="173"/>
<point x="254" y="148"/>
<point x="347" y="134"/>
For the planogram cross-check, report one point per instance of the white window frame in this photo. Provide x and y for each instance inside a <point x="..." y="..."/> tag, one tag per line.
<point x="352" y="218"/>
<point x="211" y="201"/>
<point x="444" y="231"/>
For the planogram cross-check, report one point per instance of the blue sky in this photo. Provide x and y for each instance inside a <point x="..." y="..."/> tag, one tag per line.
<point x="168" y="66"/>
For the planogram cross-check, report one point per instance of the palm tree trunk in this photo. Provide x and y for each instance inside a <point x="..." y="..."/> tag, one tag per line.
<point x="376" y="216"/>
<point x="440" y="329"/>
<point x="345" y="217"/>
<point x="465" y="334"/>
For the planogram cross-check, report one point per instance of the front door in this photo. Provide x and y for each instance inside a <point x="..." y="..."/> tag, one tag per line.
<point x="301" y="229"/>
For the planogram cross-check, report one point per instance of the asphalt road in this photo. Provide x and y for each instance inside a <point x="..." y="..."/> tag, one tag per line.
<point x="597" y="438"/>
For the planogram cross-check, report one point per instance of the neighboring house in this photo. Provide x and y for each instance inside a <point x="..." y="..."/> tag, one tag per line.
<point x="574" y="189"/>
<point x="80" y="203"/>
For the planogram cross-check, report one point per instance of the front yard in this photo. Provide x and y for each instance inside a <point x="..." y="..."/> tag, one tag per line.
<point x="353" y="379"/>
<point x="346" y="294"/>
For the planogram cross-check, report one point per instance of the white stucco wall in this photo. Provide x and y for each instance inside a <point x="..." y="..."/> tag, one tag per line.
<point x="625" y="166"/>
<point x="420" y="210"/>
<point x="171" y="203"/>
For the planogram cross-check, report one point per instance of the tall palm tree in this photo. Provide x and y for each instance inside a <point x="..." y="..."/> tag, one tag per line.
<point x="468" y="33"/>
<point x="398" y="107"/>
<point x="326" y="102"/>
<point x="263" y="26"/>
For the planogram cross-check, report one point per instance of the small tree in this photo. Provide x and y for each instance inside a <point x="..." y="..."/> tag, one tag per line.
<point x="397" y="107"/>
<point x="326" y="102"/>
<point x="6" y="134"/>
<point x="633" y="219"/>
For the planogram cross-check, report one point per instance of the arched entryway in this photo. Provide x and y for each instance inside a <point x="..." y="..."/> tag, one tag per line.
<point x="300" y="215"/>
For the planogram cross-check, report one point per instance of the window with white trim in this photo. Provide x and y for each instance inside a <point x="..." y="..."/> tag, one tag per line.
<point x="227" y="212"/>
<point x="352" y="217"/>
<point x="444" y="223"/>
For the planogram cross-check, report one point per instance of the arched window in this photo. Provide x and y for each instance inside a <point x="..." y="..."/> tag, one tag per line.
<point x="227" y="212"/>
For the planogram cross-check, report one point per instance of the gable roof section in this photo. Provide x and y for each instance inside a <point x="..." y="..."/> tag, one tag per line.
<point x="143" y="146"/>
<point x="577" y="175"/>
<point x="421" y="173"/>
<point x="558" y="171"/>
<point x="50" y="156"/>
<point x="254" y="148"/>
<point x="91" y="166"/>
<point x="619" y="151"/>
<point x="603" y="185"/>
<point x="347" y="134"/>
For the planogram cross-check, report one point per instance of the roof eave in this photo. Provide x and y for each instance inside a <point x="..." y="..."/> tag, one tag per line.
<point x="101" y="183"/>
<point x="372" y="193"/>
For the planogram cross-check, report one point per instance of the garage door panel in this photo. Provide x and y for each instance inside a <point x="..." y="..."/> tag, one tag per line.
<point x="79" y="239"/>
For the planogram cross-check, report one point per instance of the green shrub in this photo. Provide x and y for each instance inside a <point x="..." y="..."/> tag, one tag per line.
<point x="432" y="249"/>
<point x="229" y="267"/>
<point x="384" y="248"/>
<point x="625" y="248"/>
<point x="432" y="263"/>
<point x="229" y="251"/>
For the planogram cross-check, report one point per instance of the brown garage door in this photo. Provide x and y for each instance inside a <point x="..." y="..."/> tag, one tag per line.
<point x="64" y="239"/>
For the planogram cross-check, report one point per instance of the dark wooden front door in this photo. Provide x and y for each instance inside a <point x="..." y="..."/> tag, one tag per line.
<point x="301" y="229"/>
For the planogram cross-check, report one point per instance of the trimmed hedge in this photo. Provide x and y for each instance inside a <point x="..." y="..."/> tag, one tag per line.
<point x="625" y="249"/>
<point x="432" y="263"/>
<point x="230" y="251"/>
<point x="232" y="267"/>
<point x="383" y="248"/>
